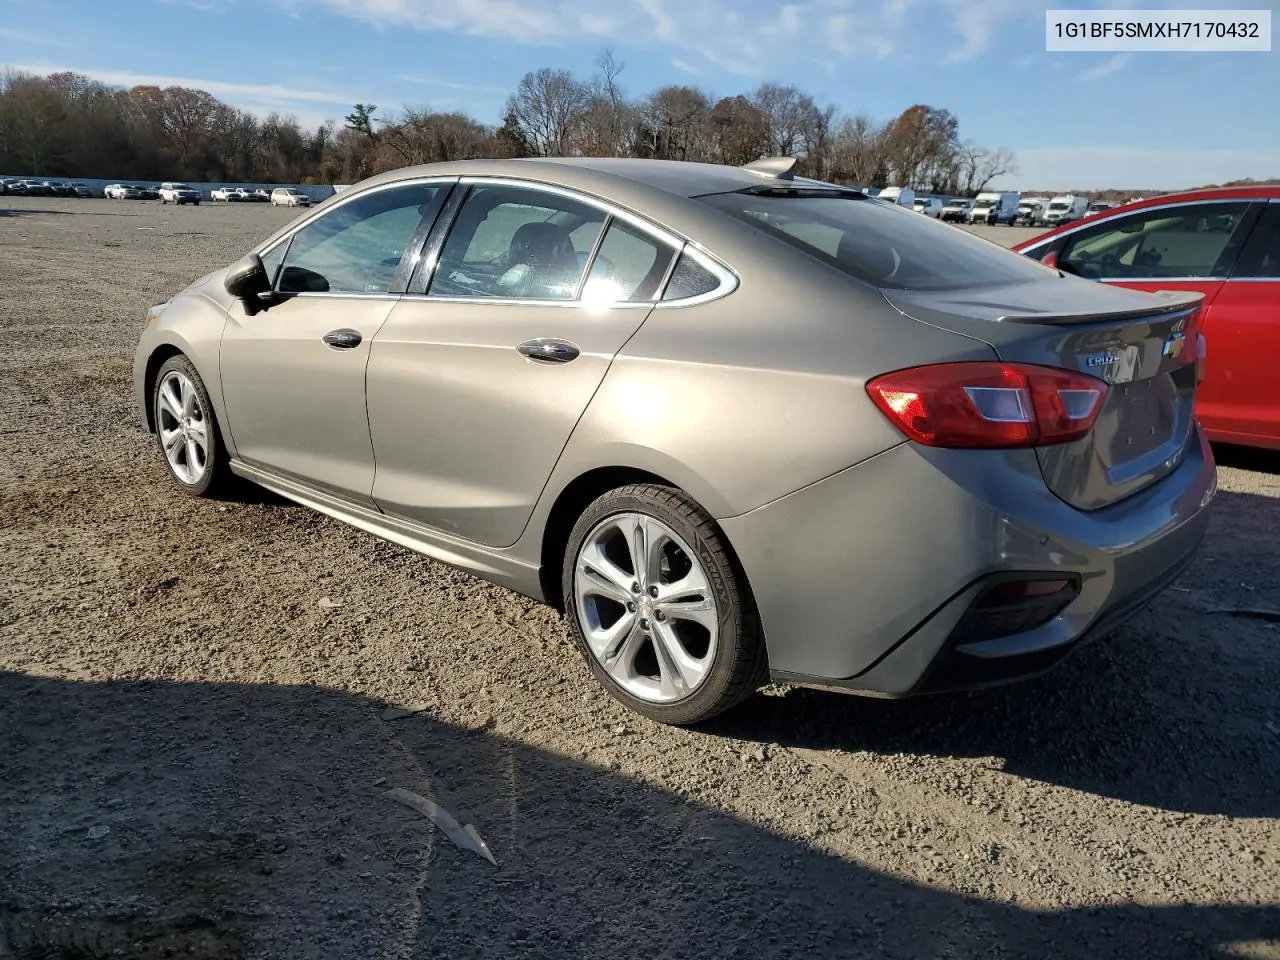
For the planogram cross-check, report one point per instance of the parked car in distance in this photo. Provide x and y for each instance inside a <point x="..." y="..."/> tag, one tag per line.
<point x="12" y="186"/>
<point x="1065" y="208"/>
<point x="902" y="196"/>
<point x="35" y="188"/>
<point x="109" y="191"/>
<point x="289" y="197"/>
<point x="955" y="211"/>
<point x="128" y="191"/>
<point x="59" y="189"/>
<point x="1099" y="206"/>
<point x="148" y="193"/>
<point x="957" y="490"/>
<point x="224" y="195"/>
<point x="994" y="207"/>
<point x="178" y="193"/>
<point x="81" y="189"/>
<point x="244" y="195"/>
<point x="1222" y="244"/>
<point x="260" y="195"/>
<point x="929" y="206"/>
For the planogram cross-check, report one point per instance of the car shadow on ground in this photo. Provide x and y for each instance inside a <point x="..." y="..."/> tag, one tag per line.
<point x="1247" y="458"/>
<point x="1171" y="710"/>
<point x="214" y="820"/>
<point x="12" y="212"/>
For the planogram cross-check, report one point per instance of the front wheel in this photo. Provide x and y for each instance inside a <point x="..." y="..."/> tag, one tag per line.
<point x="659" y="606"/>
<point x="187" y="430"/>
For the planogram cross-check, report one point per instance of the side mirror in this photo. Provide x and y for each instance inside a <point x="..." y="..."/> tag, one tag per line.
<point x="247" y="280"/>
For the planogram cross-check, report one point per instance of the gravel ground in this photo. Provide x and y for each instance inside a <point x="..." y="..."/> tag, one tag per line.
<point x="195" y="753"/>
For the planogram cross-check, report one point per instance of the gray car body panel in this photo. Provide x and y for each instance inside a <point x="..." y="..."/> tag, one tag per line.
<point x="754" y="403"/>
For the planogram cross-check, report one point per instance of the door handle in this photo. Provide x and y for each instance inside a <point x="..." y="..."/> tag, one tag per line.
<point x="343" y="339"/>
<point x="548" y="350"/>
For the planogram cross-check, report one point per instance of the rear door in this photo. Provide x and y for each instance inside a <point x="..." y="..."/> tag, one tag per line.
<point x="1242" y="401"/>
<point x="476" y="380"/>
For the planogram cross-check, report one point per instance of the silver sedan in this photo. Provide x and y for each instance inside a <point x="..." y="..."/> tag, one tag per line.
<point x="736" y="424"/>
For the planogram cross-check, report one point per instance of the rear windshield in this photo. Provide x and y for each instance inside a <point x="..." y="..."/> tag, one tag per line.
<point x="889" y="247"/>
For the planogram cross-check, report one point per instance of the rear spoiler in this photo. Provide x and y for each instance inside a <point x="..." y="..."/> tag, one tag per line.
<point x="1177" y="301"/>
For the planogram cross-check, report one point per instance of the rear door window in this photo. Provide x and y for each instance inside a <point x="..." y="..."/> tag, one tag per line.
<point x="1260" y="258"/>
<point x="1193" y="241"/>
<point x="887" y="246"/>
<point x="629" y="267"/>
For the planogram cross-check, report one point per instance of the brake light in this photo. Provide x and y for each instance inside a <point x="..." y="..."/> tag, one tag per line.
<point x="989" y="404"/>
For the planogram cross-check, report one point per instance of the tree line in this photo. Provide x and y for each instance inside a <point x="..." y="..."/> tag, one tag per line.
<point x="68" y="125"/>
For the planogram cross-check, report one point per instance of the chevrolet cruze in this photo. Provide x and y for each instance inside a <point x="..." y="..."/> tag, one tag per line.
<point x="735" y="424"/>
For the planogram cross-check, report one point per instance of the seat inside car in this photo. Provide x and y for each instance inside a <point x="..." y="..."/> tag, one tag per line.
<point x="546" y="252"/>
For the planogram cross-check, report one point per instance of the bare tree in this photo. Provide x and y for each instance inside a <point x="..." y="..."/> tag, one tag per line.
<point x="548" y="105"/>
<point x="676" y="124"/>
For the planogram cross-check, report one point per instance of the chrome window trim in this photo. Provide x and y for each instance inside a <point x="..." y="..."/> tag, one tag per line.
<point x="312" y="295"/>
<point x="1162" y="279"/>
<point x="1253" y="280"/>
<point x="728" y="279"/>
<point x="1095" y="221"/>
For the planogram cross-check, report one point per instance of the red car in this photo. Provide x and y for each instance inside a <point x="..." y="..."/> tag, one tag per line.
<point x="1224" y="243"/>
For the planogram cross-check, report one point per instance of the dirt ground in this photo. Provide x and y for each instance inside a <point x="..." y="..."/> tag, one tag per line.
<point x="194" y="755"/>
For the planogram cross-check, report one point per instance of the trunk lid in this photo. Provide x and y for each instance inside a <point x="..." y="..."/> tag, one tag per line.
<point x="1144" y="346"/>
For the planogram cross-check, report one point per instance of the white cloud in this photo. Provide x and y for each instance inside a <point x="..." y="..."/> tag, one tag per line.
<point x="750" y="40"/>
<point x="685" y="66"/>
<point x="264" y="92"/>
<point x="978" y="21"/>
<point x="1138" y="168"/>
<point x="451" y="85"/>
<point x="1107" y="67"/>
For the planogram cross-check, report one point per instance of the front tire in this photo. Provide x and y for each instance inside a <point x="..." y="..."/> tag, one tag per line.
<point x="659" y="607"/>
<point x="187" y="430"/>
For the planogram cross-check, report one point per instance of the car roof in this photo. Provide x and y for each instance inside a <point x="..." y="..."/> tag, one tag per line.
<point x="678" y="177"/>
<point x="1246" y="192"/>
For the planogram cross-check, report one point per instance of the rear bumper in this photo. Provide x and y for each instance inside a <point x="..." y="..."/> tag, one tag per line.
<point x="864" y="579"/>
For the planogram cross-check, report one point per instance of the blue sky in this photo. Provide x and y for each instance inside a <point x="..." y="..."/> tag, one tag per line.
<point x="1075" y="120"/>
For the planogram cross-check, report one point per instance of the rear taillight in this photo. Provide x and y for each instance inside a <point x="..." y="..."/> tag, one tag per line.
<point x="989" y="404"/>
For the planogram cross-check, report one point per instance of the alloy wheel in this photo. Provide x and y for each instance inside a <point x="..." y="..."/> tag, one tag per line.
<point x="183" y="427"/>
<point x="646" y="607"/>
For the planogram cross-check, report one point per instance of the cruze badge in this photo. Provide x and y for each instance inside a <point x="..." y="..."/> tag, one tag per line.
<point x="1101" y="359"/>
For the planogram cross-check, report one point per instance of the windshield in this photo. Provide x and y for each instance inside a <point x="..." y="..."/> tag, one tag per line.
<point x="983" y="202"/>
<point x="890" y="247"/>
<point x="1058" y="205"/>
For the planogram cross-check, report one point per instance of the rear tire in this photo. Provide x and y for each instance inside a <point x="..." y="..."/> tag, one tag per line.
<point x="677" y="640"/>
<point x="187" y="431"/>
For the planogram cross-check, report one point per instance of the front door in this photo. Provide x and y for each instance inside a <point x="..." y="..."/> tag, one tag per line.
<point x="475" y="386"/>
<point x="293" y="374"/>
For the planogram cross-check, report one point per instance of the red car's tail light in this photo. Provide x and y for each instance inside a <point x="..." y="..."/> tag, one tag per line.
<point x="989" y="404"/>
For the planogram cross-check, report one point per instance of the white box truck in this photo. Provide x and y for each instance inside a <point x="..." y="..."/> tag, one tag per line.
<point x="902" y="196"/>
<point x="996" y="206"/>
<point x="1064" y="209"/>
